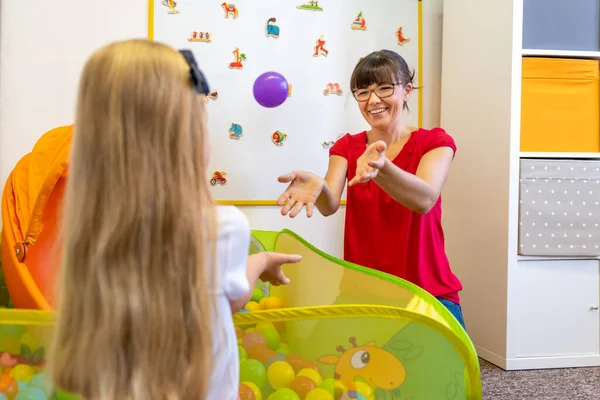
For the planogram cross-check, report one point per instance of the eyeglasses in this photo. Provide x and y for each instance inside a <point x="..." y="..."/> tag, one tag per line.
<point x="382" y="91"/>
<point x="197" y="77"/>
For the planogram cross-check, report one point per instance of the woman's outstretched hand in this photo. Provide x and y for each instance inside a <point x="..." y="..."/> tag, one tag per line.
<point x="304" y="189"/>
<point x="369" y="164"/>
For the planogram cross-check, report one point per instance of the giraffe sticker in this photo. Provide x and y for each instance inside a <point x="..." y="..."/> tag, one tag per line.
<point x="239" y="57"/>
<point x="369" y="363"/>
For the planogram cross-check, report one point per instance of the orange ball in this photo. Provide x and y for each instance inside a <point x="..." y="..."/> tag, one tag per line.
<point x="295" y="361"/>
<point x="280" y="326"/>
<point x="252" y="338"/>
<point x="265" y="355"/>
<point x="239" y="333"/>
<point x="8" y="386"/>
<point x="302" y="385"/>
<point x="245" y="392"/>
<point x="255" y="349"/>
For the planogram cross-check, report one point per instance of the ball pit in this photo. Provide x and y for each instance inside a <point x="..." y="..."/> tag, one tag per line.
<point x="22" y="358"/>
<point x="269" y="371"/>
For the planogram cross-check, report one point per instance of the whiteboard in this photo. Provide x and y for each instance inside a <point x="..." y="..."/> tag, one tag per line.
<point x="308" y="118"/>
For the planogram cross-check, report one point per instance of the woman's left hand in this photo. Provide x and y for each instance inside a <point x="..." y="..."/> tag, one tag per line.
<point x="369" y="164"/>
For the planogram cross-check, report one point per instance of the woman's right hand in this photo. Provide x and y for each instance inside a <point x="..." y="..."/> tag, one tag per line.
<point x="304" y="189"/>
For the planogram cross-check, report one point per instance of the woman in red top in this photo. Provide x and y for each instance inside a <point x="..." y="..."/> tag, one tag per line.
<point x="395" y="174"/>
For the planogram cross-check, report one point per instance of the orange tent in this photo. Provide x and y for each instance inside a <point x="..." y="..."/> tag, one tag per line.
<point x="30" y="219"/>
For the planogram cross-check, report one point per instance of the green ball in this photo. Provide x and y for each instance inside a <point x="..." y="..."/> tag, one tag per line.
<point x="272" y="338"/>
<point x="284" y="394"/>
<point x="253" y="371"/>
<point x="257" y="294"/>
<point x="242" y="352"/>
<point x="283" y="348"/>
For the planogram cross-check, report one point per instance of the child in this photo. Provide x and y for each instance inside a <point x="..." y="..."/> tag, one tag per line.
<point x="150" y="267"/>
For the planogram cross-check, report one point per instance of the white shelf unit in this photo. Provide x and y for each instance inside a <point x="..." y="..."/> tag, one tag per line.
<point x="522" y="312"/>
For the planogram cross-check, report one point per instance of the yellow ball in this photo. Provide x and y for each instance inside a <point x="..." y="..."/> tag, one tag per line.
<point x="253" y="306"/>
<point x="280" y="375"/>
<point x="311" y="374"/>
<point x="365" y="389"/>
<point x="22" y="372"/>
<point x="319" y="394"/>
<point x="272" y="303"/>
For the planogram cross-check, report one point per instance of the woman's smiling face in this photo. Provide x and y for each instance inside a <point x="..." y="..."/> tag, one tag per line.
<point x="381" y="84"/>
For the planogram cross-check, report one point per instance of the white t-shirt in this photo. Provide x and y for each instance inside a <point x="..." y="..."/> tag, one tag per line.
<point x="232" y="253"/>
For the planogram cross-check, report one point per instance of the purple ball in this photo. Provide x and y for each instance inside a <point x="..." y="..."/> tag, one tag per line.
<point x="270" y="89"/>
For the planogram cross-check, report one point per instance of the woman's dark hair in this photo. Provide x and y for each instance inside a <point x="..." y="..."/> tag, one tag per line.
<point x="383" y="66"/>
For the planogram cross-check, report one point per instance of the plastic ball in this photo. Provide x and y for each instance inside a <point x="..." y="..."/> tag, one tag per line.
<point x="255" y="390"/>
<point x="245" y="392"/>
<point x="253" y="306"/>
<point x="284" y="394"/>
<point x="22" y="372"/>
<point x="280" y="326"/>
<point x="7" y="383"/>
<point x="364" y="388"/>
<point x="253" y="338"/>
<point x="295" y="361"/>
<point x="257" y="294"/>
<point x="280" y="374"/>
<point x="40" y="380"/>
<point x="311" y="374"/>
<point x="253" y="371"/>
<point x="263" y="325"/>
<point x="271" y="337"/>
<point x="276" y="357"/>
<point x="270" y="89"/>
<point x="319" y="394"/>
<point x="272" y="303"/>
<point x="31" y="393"/>
<point x="283" y="348"/>
<point x="309" y="364"/>
<point x="333" y="386"/>
<point x="3" y="396"/>
<point x="302" y="385"/>
<point x="242" y="353"/>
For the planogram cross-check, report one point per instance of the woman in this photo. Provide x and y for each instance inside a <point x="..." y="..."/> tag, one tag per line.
<point x="395" y="174"/>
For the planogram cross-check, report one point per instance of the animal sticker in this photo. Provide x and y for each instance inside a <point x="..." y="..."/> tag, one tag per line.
<point x="200" y="37"/>
<point x="230" y="9"/>
<point x="278" y="138"/>
<point x="401" y="38"/>
<point x="320" y="48"/>
<point x="328" y="143"/>
<point x="172" y="4"/>
<point x="312" y="5"/>
<point x="333" y="88"/>
<point x="359" y="23"/>
<point x="272" y="30"/>
<point x="214" y="95"/>
<point x="218" y="178"/>
<point x="368" y="363"/>
<point x="239" y="58"/>
<point x="236" y="131"/>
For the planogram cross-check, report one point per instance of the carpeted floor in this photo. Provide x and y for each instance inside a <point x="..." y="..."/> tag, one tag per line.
<point x="550" y="384"/>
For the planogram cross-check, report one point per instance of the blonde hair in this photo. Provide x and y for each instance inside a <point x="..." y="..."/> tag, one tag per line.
<point x="138" y="233"/>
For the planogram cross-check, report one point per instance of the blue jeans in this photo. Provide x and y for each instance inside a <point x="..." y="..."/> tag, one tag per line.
<point x="455" y="309"/>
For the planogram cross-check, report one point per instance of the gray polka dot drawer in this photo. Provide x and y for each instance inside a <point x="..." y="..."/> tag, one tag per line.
<point x="559" y="207"/>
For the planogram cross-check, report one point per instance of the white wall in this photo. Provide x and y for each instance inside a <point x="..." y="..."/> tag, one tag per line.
<point x="45" y="43"/>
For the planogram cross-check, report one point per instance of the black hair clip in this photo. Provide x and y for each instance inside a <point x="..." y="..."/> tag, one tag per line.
<point x="196" y="75"/>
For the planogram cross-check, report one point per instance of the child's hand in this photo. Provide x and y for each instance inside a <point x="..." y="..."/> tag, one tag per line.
<point x="272" y="272"/>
